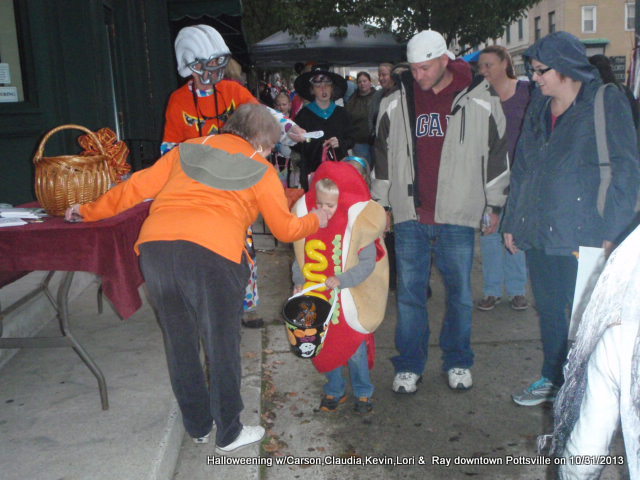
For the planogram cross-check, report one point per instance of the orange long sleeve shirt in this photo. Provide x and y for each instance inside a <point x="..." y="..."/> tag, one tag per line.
<point x="185" y="209"/>
<point x="181" y="117"/>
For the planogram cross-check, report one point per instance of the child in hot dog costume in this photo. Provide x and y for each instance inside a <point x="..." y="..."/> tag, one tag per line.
<point x="352" y="236"/>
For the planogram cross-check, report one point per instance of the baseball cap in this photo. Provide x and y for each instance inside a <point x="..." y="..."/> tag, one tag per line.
<point x="427" y="45"/>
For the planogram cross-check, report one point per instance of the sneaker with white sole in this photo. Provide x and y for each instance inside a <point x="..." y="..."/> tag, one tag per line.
<point x="201" y="440"/>
<point x="460" y="378"/>
<point x="519" y="302"/>
<point x="538" y="392"/>
<point x="248" y="435"/>
<point x="488" y="303"/>
<point x="406" y="382"/>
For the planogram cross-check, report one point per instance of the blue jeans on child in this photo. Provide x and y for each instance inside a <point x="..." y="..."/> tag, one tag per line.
<point x="452" y="249"/>
<point x="359" y="373"/>
<point x="502" y="269"/>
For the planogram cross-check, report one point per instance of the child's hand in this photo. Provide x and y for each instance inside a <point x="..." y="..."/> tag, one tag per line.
<point x="297" y="289"/>
<point x="332" y="282"/>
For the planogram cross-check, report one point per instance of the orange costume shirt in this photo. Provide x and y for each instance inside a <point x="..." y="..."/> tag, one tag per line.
<point x="187" y="209"/>
<point x="182" y="116"/>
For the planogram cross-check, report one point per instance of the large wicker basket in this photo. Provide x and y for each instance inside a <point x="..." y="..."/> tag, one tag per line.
<point x="68" y="179"/>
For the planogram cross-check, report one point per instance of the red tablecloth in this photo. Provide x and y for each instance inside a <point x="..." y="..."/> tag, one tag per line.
<point x="104" y="248"/>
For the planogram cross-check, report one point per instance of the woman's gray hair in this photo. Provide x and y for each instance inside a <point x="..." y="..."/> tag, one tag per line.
<point x="255" y="124"/>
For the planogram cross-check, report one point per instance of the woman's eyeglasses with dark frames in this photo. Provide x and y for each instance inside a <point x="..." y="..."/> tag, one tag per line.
<point x="540" y="71"/>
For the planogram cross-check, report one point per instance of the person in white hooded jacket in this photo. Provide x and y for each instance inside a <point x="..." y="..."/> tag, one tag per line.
<point x="602" y="384"/>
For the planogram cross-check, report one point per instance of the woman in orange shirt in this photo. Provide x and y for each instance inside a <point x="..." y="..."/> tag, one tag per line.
<point x="193" y="256"/>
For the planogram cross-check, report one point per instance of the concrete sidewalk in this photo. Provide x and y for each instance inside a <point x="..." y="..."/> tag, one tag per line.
<point x="52" y="426"/>
<point x="436" y="433"/>
<point x="51" y="422"/>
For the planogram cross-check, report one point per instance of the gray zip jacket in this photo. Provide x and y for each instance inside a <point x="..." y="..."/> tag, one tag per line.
<point x="474" y="163"/>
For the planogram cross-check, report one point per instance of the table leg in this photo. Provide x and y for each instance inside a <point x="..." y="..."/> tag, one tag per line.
<point x="63" y="317"/>
<point x="43" y="287"/>
<point x="61" y="304"/>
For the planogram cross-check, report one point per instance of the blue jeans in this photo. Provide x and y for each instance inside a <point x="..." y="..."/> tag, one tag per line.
<point x="451" y="247"/>
<point x="359" y="373"/>
<point x="501" y="268"/>
<point x="553" y="281"/>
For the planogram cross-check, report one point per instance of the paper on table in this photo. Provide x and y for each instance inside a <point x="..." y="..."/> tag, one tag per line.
<point x="17" y="212"/>
<point x="11" y="222"/>
<point x="590" y="264"/>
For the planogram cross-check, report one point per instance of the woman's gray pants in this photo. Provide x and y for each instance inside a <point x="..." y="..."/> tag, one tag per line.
<point x="197" y="296"/>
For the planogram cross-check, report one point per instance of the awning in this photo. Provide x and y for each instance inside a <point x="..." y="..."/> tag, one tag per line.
<point x="356" y="47"/>
<point x="595" y="41"/>
<point x="223" y="15"/>
<point x="194" y="9"/>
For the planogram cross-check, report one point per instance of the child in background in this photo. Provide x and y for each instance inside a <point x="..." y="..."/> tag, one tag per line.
<point x="282" y="153"/>
<point x="283" y="104"/>
<point x="355" y="264"/>
<point x="362" y="166"/>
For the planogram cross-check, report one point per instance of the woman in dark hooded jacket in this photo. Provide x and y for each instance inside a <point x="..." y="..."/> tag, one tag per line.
<point x="552" y="206"/>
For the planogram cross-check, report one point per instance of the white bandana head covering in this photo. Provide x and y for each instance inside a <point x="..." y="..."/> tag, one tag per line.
<point x="196" y="43"/>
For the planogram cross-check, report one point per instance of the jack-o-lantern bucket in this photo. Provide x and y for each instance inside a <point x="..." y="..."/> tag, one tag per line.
<point x="306" y="320"/>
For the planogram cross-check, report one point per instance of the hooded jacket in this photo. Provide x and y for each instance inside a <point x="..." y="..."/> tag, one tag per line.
<point x="474" y="166"/>
<point x="208" y="191"/>
<point x="554" y="183"/>
<point x="602" y="374"/>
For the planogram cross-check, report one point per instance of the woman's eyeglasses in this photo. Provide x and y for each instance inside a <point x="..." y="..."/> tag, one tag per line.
<point x="540" y="71"/>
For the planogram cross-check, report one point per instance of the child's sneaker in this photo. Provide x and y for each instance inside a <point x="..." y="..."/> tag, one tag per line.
<point x="363" y="405"/>
<point x="329" y="403"/>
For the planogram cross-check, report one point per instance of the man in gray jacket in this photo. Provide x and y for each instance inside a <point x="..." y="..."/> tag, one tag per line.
<point x="440" y="165"/>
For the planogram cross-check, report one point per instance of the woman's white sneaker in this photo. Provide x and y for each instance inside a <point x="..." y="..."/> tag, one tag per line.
<point x="248" y="435"/>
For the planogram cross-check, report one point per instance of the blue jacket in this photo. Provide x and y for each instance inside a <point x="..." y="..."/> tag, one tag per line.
<point x="552" y="203"/>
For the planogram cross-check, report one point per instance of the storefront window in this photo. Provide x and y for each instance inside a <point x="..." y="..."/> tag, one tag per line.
<point x="11" y="87"/>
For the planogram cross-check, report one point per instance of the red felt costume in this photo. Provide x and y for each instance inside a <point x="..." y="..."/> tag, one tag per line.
<point x="357" y="222"/>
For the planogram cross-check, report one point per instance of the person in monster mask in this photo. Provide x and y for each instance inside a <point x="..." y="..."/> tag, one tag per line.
<point x="203" y="105"/>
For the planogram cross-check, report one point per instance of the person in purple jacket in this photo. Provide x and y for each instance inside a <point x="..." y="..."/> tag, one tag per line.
<point x="500" y="268"/>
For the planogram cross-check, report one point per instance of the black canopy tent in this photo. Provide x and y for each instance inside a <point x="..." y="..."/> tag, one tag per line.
<point x="356" y="47"/>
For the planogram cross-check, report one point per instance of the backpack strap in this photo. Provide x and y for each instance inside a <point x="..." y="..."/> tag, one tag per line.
<point x="603" y="149"/>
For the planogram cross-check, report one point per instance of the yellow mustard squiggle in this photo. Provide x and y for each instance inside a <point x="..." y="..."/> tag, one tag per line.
<point x="319" y="264"/>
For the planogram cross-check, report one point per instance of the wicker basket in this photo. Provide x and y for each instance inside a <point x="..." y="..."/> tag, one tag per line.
<point x="68" y="179"/>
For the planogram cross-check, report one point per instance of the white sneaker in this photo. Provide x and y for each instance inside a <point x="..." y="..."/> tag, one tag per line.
<point x="248" y="435"/>
<point x="204" y="439"/>
<point x="201" y="440"/>
<point x="460" y="378"/>
<point x="406" y="382"/>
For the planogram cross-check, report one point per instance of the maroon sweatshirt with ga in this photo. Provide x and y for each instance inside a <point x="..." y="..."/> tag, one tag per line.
<point x="432" y="111"/>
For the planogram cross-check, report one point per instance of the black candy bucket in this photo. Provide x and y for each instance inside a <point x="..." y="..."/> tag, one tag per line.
<point x="306" y="318"/>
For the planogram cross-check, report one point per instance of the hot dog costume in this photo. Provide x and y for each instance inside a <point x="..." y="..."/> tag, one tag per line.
<point x="357" y="222"/>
